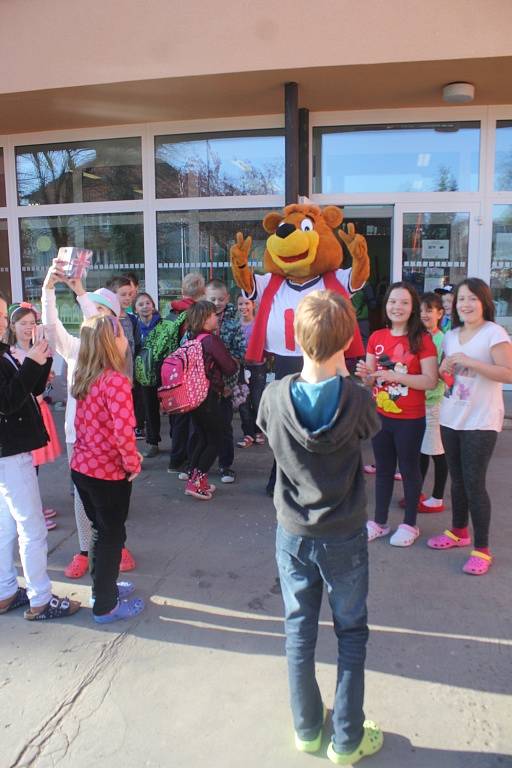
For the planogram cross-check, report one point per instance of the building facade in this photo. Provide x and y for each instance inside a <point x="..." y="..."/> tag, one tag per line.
<point x="154" y="159"/>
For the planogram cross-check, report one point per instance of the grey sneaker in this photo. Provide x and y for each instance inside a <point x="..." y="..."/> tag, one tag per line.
<point x="150" y="452"/>
<point x="227" y="476"/>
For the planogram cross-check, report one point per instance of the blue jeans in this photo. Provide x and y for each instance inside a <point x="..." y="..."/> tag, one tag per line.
<point x="305" y="565"/>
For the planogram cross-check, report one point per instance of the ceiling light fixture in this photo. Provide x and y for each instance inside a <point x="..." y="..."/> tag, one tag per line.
<point x="458" y="93"/>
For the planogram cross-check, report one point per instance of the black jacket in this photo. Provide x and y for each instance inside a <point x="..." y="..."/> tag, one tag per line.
<point x="21" y="424"/>
<point x="320" y="489"/>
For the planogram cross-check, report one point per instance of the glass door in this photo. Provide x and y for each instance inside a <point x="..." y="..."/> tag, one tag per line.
<point x="435" y="245"/>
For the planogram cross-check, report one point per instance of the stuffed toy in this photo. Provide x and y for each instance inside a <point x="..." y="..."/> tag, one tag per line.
<point x="302" y="255"/>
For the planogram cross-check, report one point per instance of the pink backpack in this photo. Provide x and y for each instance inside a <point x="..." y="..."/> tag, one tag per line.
<point x="184" y="383"/>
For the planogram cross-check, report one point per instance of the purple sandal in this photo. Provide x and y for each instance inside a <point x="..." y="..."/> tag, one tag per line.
<point x="124" y="589"/>
<point x="125" y="609"/>
<point x="19" y="599"/>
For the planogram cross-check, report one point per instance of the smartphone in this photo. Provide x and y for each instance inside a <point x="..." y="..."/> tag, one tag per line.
<point x="39" y="334"/>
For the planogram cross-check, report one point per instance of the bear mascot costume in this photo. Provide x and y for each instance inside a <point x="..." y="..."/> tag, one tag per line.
<point x="302" y="255"/>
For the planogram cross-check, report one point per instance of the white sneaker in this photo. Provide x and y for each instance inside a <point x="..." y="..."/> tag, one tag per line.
<point x="404" y="536"/>
<point x="376" y="531"/>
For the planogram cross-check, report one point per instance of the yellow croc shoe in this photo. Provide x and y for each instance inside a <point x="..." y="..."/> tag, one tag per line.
<point x="371" y="742"/>
<point x="312" y="745"/>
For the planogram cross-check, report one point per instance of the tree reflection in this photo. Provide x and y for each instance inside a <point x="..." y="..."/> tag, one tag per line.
<point x="182" y="171"/>
<point x="53" y="174"/>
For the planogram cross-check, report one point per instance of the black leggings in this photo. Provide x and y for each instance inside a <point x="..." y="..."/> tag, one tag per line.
<point x="106" y="505"/>
<point x="468" y="454"/>
<point x="440" y="472"/>
<point x="207" y="438"/>
<point x="398" y="439"/>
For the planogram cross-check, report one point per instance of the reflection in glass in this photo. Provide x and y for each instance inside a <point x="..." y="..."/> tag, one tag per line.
<point x="503" y="163"/>
<point x="5" y="278"/>
<point x="501" y="264"/>
<point x="116" y="239"/>
<point x="79" y="172"/>
<point x="200" y="241"/>
<point x="208" y="165"/>
<point x="435" y="249"/>
<point x="2" y="180"/>
<point x="407" y="157"/>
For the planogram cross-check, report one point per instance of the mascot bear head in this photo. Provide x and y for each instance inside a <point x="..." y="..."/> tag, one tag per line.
<point x="302" y="243"/>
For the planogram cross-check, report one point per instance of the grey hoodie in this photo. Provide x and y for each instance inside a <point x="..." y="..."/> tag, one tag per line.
<point x="320" y="488"/>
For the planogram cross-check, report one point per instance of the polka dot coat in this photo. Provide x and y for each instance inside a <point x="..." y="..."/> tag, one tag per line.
<point x="105" y="445"/>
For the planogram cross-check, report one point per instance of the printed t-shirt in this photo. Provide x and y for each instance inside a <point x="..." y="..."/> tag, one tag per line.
<point x="398" y="401"/>
<point x="280" y="339"/>
<point x="474" y="401"/>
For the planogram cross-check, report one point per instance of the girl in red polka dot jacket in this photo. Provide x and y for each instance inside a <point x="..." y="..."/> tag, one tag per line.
<point x="105" y="460"/>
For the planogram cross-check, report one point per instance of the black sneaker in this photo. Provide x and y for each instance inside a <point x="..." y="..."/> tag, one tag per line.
<point x="173" y="469"/>
<point x="227" y="476"/>
<point x="139" y="433"/>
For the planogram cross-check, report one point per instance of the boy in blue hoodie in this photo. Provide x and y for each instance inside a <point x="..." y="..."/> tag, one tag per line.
<point x="314" y="422"/>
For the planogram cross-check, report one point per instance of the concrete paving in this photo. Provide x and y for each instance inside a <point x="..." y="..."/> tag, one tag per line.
<point x="200" y="677"/>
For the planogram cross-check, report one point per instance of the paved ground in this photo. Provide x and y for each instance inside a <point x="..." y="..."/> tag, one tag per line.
<point x="200" y="677"/>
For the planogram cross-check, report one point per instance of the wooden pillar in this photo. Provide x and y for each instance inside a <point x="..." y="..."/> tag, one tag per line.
<point x="291" y="142"/>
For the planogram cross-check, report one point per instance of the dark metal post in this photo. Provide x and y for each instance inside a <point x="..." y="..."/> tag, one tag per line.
<point x="291" y="142"/>
<point x="304" y="152"/>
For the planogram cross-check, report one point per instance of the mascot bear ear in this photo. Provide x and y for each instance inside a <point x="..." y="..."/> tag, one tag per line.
<point x="333" y="216"/>
<point x="272" y="221"/>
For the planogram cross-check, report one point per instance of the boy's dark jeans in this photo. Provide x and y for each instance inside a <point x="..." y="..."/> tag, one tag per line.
<point x="152" y="414"/>
<point x="138" y="405"/>
<point x="305" y="565"/>
<point x="249" y="409"/>
<point x="181" y="430"/>
<point x="106" y="505"/>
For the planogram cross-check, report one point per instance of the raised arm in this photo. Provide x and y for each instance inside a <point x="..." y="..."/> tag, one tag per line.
<point x="242" y="272"/>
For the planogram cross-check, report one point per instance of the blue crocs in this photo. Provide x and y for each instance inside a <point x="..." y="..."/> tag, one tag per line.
<point x="124" y="589"/>
<point x="125" y="609"/>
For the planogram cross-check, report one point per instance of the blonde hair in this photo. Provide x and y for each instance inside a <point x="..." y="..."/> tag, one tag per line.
<point x="98" y="352"/>
<point x="324" y="324"/>
<point x="193" y="285"/>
